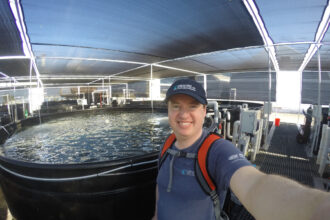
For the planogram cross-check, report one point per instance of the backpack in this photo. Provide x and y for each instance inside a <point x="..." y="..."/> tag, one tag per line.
<point x="201" y="172"/>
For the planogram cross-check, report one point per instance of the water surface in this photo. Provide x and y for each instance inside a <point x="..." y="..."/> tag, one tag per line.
<point x="89" y="137"/>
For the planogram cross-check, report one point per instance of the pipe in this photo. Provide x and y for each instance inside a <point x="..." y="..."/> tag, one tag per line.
<point x="319" y="107"/>
<point x="228" y="126"/>
<point x="101" y="100"/>
<point x="228" y="132"/>
<point x="243" y="144"/>
<point x="256" y="145"/>
<point x="4" y="129"/>
<point x="225" y="123"/>
<point x="8" y="107"/>
<point x="93" y="98"/>
<point x="215" y="106"/>
<point x="235" y="132"/>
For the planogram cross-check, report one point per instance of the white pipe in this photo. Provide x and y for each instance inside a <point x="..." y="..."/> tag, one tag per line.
<point x="319" y="107"/>
<point x="8" y="107"/>
<point x="228" y="132"/>
<point x="93" y="99"/>
<point x="215" y="106"/>
<point x="269" y="87"/>
<point x="108" y="93"/>
<point x="235" y="132"/>
<point x="243" y="143"/>
<point x="257" y="143"/>
<point x="228" y="125"/>
<point x="126" y="92"/>
<point x="225" y="123"/>
<point x="269" y="137"/>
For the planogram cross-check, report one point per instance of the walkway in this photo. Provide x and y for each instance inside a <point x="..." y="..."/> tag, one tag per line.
<point x="287" y="158"/>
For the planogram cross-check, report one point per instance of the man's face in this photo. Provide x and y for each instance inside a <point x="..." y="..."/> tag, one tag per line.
<point x="186" y="116"/>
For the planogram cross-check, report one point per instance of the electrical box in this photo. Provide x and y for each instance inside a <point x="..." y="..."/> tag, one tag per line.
<point x="81" y="101"/>
<point x="249" y="121"/>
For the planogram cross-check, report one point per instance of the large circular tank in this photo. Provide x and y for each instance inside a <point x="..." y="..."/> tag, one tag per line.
<point x="120" y="188"/>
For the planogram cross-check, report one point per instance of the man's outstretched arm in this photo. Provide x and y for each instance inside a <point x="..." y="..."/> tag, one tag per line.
<point x="275" y="197"/>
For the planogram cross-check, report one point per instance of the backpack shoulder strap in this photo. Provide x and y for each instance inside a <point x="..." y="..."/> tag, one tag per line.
<point x="203" y="175"/>
<point x="168" y="143"/>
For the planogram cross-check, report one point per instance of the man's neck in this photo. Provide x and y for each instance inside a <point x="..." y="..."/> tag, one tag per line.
<point x="185" y="142"/>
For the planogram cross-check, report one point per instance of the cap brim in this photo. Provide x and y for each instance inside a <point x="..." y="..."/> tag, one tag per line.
<point x="193" y="95"/>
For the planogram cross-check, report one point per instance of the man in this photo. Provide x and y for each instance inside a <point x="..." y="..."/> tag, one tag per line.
<point x="179" y="194"/>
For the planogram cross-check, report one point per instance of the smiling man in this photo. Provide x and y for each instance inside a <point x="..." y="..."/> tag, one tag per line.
<point x="196" y="169"/>
<point x="186" y="117"/>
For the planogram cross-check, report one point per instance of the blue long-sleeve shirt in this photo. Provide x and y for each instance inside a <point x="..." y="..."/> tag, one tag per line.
<point x="187" y="200"/>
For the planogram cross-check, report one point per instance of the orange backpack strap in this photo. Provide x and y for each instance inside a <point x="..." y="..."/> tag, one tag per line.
<point x="201" y="171"/>
<point x="168" y="143"/>
<point x="203" y="175"/>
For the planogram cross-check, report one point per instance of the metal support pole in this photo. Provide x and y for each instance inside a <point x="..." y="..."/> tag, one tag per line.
<point x="319" y="109"/>
<point x="269" y="84"/>
<point x="110" y="89"/>
<point x="108" y="95"/>
<point x="8" y="106"/>
<point x="102" y="90"/>
<point x="126" y="94"/>
<point x="23" y="107"/>
<point x="150" y="89"/>
<point x="268" y="136"/>
<point x="15" y="105"/>
<point x="205" y="83"/>
<point x="88" y="99"/>
<point x="30" y="110"/>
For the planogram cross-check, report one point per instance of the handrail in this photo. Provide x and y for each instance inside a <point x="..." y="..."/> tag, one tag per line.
<point x="105" y="173"/>
<point x="4" y="129"/>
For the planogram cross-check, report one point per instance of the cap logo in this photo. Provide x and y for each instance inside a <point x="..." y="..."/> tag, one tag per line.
<point x="184" y="86"/>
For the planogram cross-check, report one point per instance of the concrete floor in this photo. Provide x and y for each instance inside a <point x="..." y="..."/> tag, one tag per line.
<point x="3" y="206"/>
<point x="4" y="212"/>
<point x="288" y="118"/>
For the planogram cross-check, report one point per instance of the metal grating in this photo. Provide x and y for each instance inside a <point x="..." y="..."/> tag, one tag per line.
<point x="285" y="157"/>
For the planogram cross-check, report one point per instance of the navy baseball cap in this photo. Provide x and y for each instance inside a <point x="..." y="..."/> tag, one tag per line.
<point x="187" y="87"/>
